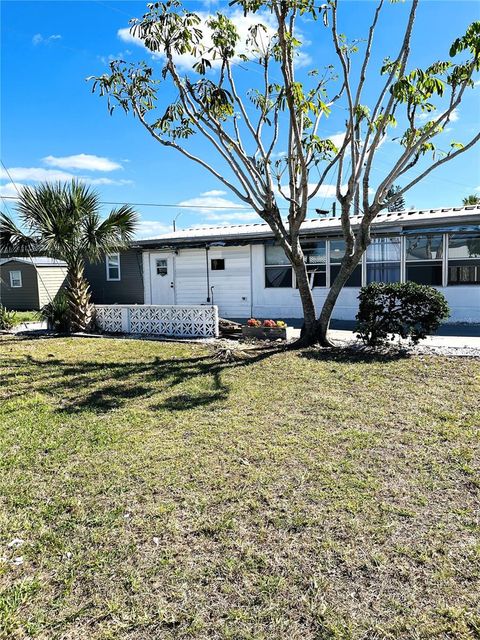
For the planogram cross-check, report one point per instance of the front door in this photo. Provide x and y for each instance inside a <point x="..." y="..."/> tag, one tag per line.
<point x="162" y="275"/>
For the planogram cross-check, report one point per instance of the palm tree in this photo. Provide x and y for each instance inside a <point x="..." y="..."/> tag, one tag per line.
<point x="473" y="199"/>
<point x="63" y="221"/>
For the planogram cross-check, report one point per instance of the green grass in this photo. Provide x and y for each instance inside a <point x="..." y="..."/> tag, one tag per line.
<point x="26" y="316"/>
<point x="162" y="494"/>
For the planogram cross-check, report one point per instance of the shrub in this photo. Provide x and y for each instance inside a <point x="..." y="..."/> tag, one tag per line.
<point x="407" y="309"/>
<point x="8" y="319"/>
<point x="56" y="313"/>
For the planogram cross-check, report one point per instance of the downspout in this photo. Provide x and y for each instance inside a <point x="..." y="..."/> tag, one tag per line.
<point x="251" y="282"/>
<point x="208" y="272"/>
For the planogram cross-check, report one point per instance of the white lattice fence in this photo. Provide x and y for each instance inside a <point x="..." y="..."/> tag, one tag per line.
<point x="188" y="321"/>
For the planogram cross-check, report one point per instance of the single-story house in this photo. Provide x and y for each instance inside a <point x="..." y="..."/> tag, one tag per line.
<point x="241" y="269"/>
<point x="30" y="283"/>
<point x="117" y="279"/>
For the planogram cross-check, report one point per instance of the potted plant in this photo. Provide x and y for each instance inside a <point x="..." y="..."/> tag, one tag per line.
<point x="266" y="330"/>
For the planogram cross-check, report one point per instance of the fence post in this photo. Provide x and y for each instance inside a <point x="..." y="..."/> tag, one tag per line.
<point x="126" y="319"/>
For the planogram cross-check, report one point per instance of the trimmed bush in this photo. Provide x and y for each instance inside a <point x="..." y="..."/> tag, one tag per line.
<point x="8" y="319"/>
<point x="408" y="310"/>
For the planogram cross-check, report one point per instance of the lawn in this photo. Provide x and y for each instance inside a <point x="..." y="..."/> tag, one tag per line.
<point x="26" y="316"/>
<point x="162" y="494"/>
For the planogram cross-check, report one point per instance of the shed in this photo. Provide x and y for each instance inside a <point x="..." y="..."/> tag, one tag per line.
<point x="30" y="283"/>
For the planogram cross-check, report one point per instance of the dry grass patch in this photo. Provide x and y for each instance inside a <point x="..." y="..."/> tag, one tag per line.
<point x="161" y="493"/>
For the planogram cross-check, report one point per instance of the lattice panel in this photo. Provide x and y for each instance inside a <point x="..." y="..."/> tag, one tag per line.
<point x="183" y="322"/>
<point x="109" y="319"/>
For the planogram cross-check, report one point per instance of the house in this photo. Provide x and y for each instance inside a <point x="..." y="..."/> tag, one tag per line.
<point x="30" y="283"/>
<point x="117" y="279"/>
<point x="242" y="270"/>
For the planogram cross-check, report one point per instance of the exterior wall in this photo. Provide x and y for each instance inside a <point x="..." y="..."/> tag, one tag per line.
<point x="464" y="301"/>
<point x="231" y="287"/>
<point x="127" y="290"/>
<point x="285" y="303"/>
<point x="240" y="290"/>
<point x="24" y="298"/>
<point x="50" y="281"/>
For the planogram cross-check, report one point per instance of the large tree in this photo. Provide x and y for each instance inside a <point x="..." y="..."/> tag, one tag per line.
<point x="247" y="130"/>
<point x="64" y="221"/>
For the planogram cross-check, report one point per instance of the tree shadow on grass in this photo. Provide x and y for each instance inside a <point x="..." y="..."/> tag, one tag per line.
<point x="355" y="355"/>
<point x="89" y="385"/>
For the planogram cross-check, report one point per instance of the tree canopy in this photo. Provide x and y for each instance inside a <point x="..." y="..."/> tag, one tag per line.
<point x="270" y="144"/>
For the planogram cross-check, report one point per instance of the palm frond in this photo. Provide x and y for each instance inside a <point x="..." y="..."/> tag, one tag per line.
<point x="113" y="234"/>
<point x="13" y="241"/>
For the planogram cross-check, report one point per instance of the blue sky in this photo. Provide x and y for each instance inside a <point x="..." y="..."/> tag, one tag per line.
<point x="53" y="127"/>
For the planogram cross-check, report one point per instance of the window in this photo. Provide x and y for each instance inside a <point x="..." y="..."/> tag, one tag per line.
<point x="161" y="267"/>
<point x="464" y="258"/>
<point x="337" y="250"/>
<point x="278" y="271"/>
<point x="424" y="258"/>
<point x="217" y="264"/>
<point x="316" y="260"/>
<point x="113" y="266"/>
<point x="383" y="260"/>
<point x="15" y="279"/>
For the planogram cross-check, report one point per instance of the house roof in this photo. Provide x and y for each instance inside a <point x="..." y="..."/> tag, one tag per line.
<point x="38" y="261"/>
<point x="388" y="221"/>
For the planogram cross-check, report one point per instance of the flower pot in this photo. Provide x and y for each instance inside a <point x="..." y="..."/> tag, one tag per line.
<point x="265" y="333"/>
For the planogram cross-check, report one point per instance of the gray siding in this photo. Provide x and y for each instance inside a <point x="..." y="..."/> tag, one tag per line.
<point x="128" y="290"/>
<point x="24" y="298"/>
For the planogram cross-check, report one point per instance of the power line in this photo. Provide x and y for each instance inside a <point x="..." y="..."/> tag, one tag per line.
<point x="238" y="208"/>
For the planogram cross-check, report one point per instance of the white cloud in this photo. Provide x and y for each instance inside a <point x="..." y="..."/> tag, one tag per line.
<point x="337" y="138"/>
<point x="115" y="56"/>
<point x="152" y="228"/>
<point x="325" y="191"/>
<point x="242" y="24"/>
<point x="39" y="39"/>
<point x="433" y="115"/>
<point x="10" y="189"/>
<point x="82" y="161"/>
<point x="207" y="204"/>
<point x="39" y="174"/>
<point x="214" y="192"/>
<point x="250" y="216"/>
<point x="34" y="174"/>
<point x="100" y="181"/>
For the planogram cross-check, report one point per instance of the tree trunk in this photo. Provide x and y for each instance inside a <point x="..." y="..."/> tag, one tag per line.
<point x="79" y="302"/>
<point x="323" y="323"/>
<point x="309" y="331"/>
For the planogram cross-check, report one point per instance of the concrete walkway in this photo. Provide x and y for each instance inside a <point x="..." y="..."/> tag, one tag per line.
<point x="458" y="342"/>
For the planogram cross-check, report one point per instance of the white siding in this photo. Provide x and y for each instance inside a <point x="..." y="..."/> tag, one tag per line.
<point x="464" y="301"/>
<point x="50" y="281"/>
<point x="240" y="296"/>
<point x="231" y="287"/>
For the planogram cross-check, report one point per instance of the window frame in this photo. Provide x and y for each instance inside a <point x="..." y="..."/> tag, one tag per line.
<point x="366" y="262"/>
<point x="313" y="265"/>
<point x="465" y="260"/>
<point x="20" y="279"/>
<point x="288" y="265"/>
<point x="212" y="268"/>
<point x="165" y="266"/>
<point x="432" y="261"/>
<point x="107" y="266"/>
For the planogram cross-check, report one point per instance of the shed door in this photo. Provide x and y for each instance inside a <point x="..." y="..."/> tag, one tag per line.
<point x="163" y="278"/>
